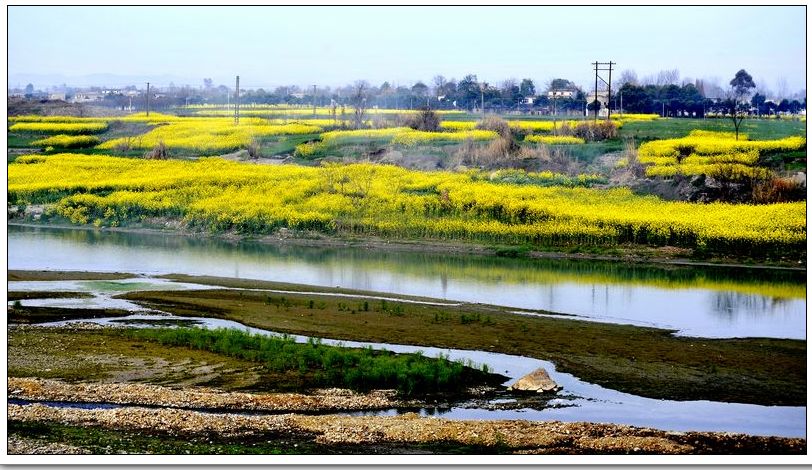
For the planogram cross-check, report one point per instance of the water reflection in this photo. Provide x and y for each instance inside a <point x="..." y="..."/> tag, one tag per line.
<point x="713" y="302"/>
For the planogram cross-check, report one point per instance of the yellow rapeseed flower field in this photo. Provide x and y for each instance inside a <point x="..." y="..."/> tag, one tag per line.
<point x="67" y="141"/>
<point x="208" y="135"/>
<point x="554" y="139"/>
<point x="59" y="127"/>
<point x="383" y="200"/>
<point x="712" y="153"/>
<point x="635" y="117"/>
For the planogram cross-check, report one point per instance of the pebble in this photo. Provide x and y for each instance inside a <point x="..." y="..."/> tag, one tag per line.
<point x="202" y="398"/>
<point x="517" y="436"/>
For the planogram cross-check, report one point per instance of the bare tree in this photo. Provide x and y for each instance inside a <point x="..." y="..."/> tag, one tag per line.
<point x="627" y="76"/>
<point x="439" y="82"/>
<point x="763" y="89"/>
<point x="359" y="103"/>
<point x="712" y="88"/>
<point x="508" y="84"/>
<point x="667" y="77"/>
<point x="781" y="88"/>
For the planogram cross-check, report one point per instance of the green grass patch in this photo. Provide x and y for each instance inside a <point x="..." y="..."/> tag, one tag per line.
<point x="358" y="369"/>
<point x="20" y="140"/>
<point x="282" y="145"/>
<point x="756" y="129"/>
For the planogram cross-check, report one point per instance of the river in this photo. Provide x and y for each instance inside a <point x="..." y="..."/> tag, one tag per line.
<point x="710" y="302"/>
<point x="697" y="301"/>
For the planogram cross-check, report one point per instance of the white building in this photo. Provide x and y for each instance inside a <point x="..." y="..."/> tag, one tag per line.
<point x="86" y="97"/>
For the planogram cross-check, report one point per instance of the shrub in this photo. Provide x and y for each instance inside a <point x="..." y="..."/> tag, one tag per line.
<point x="497" y="152"/>
<point x="254" y="149"/>
<point x="123" y="145"/>
<point x="159" y="152"/>
<point x="592" y="131"/>
<point x="496" y="124"/>
<point x="778" y="190"/>
<point x="425" y="120"/>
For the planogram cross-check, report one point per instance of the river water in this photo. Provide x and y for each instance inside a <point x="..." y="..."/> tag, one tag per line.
<point x="694" y="301"/>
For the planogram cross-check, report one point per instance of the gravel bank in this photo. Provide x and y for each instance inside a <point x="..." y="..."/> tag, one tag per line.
<point x="200" y="398"/>
<point x="19" y="445"/>
<point x="504" y="436"/>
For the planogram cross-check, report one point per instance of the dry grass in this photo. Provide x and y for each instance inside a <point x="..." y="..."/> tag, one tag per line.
<point x="778" y="190"/>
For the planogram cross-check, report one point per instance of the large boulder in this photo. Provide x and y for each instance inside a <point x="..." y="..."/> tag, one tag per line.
<point x="537" y="381"/>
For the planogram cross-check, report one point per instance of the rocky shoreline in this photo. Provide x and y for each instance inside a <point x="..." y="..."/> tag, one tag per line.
<point x="322" y="400"/>
<point x="511" y="436"/>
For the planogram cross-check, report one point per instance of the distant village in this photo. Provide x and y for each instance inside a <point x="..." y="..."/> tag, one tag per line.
<point x="692" y="98"/>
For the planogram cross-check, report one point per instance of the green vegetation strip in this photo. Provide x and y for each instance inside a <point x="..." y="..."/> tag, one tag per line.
<point x="757" y="129"/>
<point x="358" y="369"/>
<point x="643" y="361"/>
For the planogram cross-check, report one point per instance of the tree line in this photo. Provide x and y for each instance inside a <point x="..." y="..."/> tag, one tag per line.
<point x="658" y="94"/>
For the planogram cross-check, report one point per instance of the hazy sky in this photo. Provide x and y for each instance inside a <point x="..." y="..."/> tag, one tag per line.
<point x="271" y="46"/>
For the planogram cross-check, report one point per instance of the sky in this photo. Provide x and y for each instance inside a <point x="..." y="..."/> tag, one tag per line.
<point x="333" y="46"/>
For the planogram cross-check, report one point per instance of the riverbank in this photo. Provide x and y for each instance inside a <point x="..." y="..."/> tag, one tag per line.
<point x="383" y="435"/>
<point x="644" y="361"/>
<point x="637" y="254"/>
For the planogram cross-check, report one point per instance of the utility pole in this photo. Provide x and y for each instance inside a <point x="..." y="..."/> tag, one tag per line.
<point x="147" y="99"/>
<point x="482" y="100"/>
<point x="237" y="102"/>
<point x="314" y="100"/>
<point x="555" y="110"/>
<point x="597" y="66"/>
<point x="621" y="104"/>
<point x="609" y="94"/>
<point x="596" y="90"/>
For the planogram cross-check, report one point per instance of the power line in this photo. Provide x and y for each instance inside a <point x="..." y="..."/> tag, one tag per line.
<point x="607" y="67"/>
